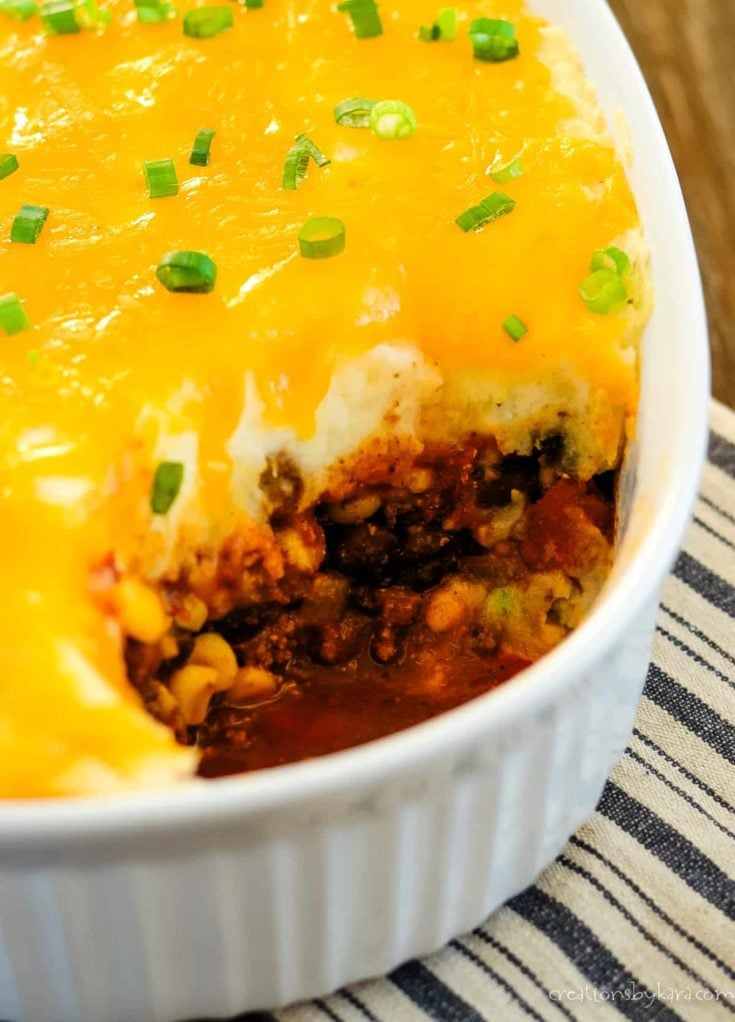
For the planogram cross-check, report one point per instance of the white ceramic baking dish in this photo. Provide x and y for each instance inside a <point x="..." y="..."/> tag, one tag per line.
<point x="252" y="892"/>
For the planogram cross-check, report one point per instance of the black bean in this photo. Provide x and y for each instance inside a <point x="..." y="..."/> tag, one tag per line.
<point x="366" y="552"/>
<point x="386" y="646"/>
<point x="516" y="472"/>
<point x="241" y="624"/>
<point x="552" y="448"/>
<point x="606" y="483"/>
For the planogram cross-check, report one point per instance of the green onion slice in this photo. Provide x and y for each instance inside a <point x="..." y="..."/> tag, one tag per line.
<point x="491" y="208"/>
<point x="294" y="169"/>
<point x="603" y="291"/>
<point x="322" y="237"/>
<point x="202" y="144"/>
<point x="67" y="17"/>
<point x="611" y="258"/>
<point x="313" y="150"/>
<point x="21" y="10"/>
<point x="447" y="22"/>
<point x="28" y="224"/>
<point x="206" y="22"/>
<point x="253" y="5"/>
<point x="364" y="17"/>
<point x="515" y="327"/>
<point x="444" y="28"/>
<point x="160" y="178"/>
<point x="354" y="113"/>
<point x="297" y="161"/>
<point x="90" y="16"/>
<point x="187" y="272"/>
<point x="12" y="315"/>
<point x="166" y="485"/>
<point x="153" y="12"/>
<point x="507" y="173"/>
<point x="493" y="39"/>
<point x="58" y="17"/>
<point x="392" y="119"/>
<point x="8" y="164"/>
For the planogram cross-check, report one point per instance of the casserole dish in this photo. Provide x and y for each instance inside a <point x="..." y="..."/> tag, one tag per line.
<point x="251" y="894"/>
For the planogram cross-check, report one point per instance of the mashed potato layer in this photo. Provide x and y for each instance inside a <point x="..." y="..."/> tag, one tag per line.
<point x="395" y="345"/>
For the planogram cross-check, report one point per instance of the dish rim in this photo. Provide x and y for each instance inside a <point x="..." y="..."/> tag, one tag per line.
<point x="71" y="821"/>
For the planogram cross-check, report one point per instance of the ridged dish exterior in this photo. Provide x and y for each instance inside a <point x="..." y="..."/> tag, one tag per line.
<point x="258" y="913"/>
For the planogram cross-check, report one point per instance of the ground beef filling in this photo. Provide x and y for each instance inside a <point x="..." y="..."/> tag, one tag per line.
<point x="358" y="617"/>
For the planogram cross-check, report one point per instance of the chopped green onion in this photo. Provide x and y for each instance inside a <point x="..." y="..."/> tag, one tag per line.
<point x="205" y="22"/>
<point x="491" y="208"/>
<point x="322" y="237"/>
<point x="90" y="16"/>
<point x="8" y="164"/>
<point x="314" y="151"/>
<point x="160" y="178"/>
<point x="611" y="258"/>
<point x="58" y="17"/>
<point x="253" y="5"/>
<point x="515" y="327"/>
<point x="166" y="485"/>
<point x="445" y="27"/>
<point x="493" y="39"/>
<point x="603" y="291"/>
<point x="21" y="10"/>
<point x="28" y="224"/>
<point x="447" y="22"/>
<point x="364" y="17"/>
<point x="67" y="17"/>
<point x="507" y="173"/>
<point x="294" y="169"/>
<point x="187" y="272"/>
<point x="392" y="119"/>
<point x="12" y="315"/>
<point x="153" y="12"/>
<point x="354" y="113"/>
<point x="202" y="144"/>
<point x="297" y="161"/>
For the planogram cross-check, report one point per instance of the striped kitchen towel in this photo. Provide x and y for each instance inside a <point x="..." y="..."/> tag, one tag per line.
<point x="636" y="918"/>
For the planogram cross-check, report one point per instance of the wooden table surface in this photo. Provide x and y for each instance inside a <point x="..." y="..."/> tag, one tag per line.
<point x="687" y="51"/>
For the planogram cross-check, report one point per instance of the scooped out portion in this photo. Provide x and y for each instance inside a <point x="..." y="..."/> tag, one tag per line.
<point x="427" y="582"/>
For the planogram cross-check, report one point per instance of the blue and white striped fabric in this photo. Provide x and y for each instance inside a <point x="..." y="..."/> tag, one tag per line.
<point x="636" y="918"/>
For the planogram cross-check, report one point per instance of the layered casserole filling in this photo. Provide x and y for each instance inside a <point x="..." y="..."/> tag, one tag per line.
<point x="318" y="360"/>
<point x="430" y="580"/>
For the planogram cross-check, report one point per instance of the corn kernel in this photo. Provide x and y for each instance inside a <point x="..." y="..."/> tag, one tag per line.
<point x="355" y="510"/>
<point x="192" y="687"/>
<point x="211" y="650"/>
<point x="165" y="701"/>
<point x="253" y="683"/>
<point x="140" y="611"/>
<point x="297" y="552"/>
<point x="169" y="647"/>
<point x="420" y="479"/>
<point x="502" y="523"/>
<point x="191" y="613"/>
<point x="444" y="611"/>
<point x="450" y="606"/>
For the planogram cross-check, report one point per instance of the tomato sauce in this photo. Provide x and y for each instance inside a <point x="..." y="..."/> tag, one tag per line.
<point x="334" y="709"/>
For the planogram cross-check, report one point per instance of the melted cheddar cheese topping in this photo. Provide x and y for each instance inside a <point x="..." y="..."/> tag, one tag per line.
<point x="108" y="343"/>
